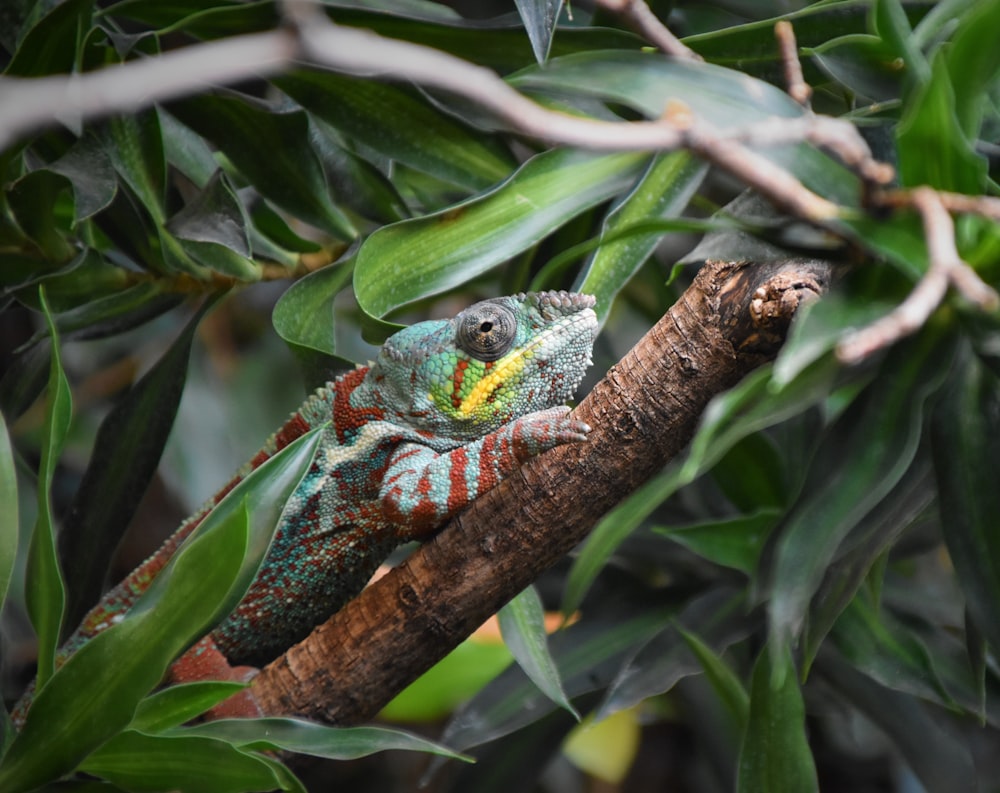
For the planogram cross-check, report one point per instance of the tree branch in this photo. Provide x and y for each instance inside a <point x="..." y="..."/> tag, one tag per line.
<point x="731" y="319"/>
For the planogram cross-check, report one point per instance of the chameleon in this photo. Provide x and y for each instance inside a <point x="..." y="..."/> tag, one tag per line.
<point x="445" y="412"/>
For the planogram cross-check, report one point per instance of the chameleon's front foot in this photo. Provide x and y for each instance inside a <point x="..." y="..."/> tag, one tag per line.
<point x="545" y="429"/>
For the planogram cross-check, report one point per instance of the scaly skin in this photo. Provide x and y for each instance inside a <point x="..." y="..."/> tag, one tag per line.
<point x="448" y="409"/>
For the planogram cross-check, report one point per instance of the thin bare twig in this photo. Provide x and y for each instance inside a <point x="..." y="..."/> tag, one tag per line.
<point x="642" y="20"/>
<point x="984" y="206"/>
<point x="795" y="82"/>
<point x="945" y="268"/>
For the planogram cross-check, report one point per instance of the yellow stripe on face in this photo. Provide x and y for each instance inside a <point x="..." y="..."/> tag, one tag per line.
<point x="502" y="370"/>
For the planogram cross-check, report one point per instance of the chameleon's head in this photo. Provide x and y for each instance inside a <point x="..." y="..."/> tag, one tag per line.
<point x="497" y="360"/>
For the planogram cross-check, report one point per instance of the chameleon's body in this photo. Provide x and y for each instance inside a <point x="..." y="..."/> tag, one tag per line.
<point x="448" y="409"/>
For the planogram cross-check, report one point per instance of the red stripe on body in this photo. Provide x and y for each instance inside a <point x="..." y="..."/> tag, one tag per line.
<point x="346" y="417"/>
<point x="458" y="490"/>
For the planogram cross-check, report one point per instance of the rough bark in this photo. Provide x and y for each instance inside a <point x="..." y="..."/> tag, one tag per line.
<point x="731" y="319"/>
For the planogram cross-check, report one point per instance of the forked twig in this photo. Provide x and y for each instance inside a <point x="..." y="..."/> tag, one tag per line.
<point x="945" y="268"/>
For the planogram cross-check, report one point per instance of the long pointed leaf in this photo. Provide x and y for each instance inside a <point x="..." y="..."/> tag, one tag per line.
<point x="522" y="625"/>
<point x="9" y="527"/>
<point x="125" y="456"/>
<point x="775" y="756"/>
<point x="45" y="595"/>
<point x="416" y="258"/>
<point x="95" y="693"/>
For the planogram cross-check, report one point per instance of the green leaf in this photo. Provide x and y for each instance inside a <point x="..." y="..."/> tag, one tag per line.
<point x="893" y="27"/>
<point x="91" y="175"/>
<point x="417" y="258"/>
<point x="718" y="615"/>
<point x="775" y="756"/>
<point x="973" y="64"/>
<point x="307" y="737"/>
<point x="942" y="761"/>
<point x="96" y="691"/>
<point x="177" y="704"/>
<point x="725" y="682"/>
<point x="399" y="123"/>
<point x="752" y="473"/>
<point x="663" y="191"/>
<point x="450" y="683"/>
<point x="277" y="158"/>
<point x="726" y="99"/>
<point x="878" y="645"/>
<point x="9" y="526"/>
<point x="965" y="435"/>
<point x="140" y="762"/>
<point x="124" y="459"/>
<point x="910" y="501"/>
<point x="134" y="145"/>
<point x="304" y="315"/>
<point x="539" y="18"/>
<point x="35" y="200"/>
<point x="94" y="694"/>
<point x="861" y="458"/>
<point x="587" y="653"/>
<point x="931" y="123"/>
<point x="49" y="45"/>
<point x="45" y="595"/>
<point x="734" y="542"/>
<point x="522" y="625"/>
<point x="212" y="228"/>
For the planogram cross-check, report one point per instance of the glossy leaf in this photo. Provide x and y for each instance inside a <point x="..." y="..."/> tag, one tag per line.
<point x="942" y="762"/>
<point x="9" y="526"/>
<point x="723" y="679"/>
<point x="126" y="453"/>
<point x="663" y="191"/>
<point x="845" y="484"/>
<point x="726" y="99"/>
<point x="879" y="646"/>
<point x="750" y="47"/>
<point x="307" y="737"/>
<point x="587" y="654"/>
<point x="95" y="693"/>
<point x="134" y="146"/>
<point x="522" y="625"/>
<point x="277" y="158"/>
<point x="398" y="124"/>
<point x="539" y="17"/>
<point x="45" y="594"/>
<point x="174" y="705"/>
<point x="966" y="441"/>
<point x="718" y="616"/>
<point x="212" y="227"/>
<point x="140" y="762"/>
<point x="908" y="502"/>
<point x="88" y="168"/>
<point x="735" y="542"/>
<point x="416" y="258"/>
<point x="775" y="755"/>
<point x="304" y="315"/>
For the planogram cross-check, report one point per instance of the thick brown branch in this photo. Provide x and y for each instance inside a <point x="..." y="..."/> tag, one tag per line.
<point x="730" y="320"/>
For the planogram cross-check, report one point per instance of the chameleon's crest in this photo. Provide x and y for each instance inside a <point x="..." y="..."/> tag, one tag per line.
<point x="498" y="359"/>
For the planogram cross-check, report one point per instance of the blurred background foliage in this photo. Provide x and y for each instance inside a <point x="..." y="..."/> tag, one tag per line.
<point x="808" y="599"/>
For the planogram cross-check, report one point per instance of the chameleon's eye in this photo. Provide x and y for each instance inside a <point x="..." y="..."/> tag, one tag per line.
<point x="486" y="331"/>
